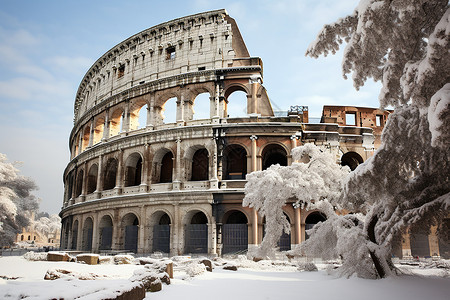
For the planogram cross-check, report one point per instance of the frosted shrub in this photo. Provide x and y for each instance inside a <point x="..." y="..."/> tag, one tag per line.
<point x="194" y="269"/>
<point x="35" y="256"/>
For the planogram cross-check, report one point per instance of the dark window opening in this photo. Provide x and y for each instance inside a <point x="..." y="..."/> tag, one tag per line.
<point x="121" y="71"/>
<point x="272" y="155"/>
<point x="202" y="68"/>
<point x="352" y="160"/>
<point x="166" y="168"/>
<point x="200" y="165"/>
<point x="170" y="53"/>
<point x="235" y="164"/>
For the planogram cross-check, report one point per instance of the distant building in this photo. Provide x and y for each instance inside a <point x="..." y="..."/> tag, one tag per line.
<point x="177" y="186"/>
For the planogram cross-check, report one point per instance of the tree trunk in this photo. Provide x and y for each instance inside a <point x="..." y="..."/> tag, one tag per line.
<point x="376" y="260"/>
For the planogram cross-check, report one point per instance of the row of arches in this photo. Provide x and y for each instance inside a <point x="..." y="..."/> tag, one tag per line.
<point x="141" y="113"/>
<point x="197" y="167"/>
<point x="232" y="233"/>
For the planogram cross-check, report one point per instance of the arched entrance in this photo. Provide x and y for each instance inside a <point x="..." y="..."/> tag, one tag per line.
<point x="106" y="230"/>
<point x="133" y="170"/>
<point x="420" y="246"/>
<point x="273" y="154"/>
<point x="87" y="234"/>
<point x="285" y="240"/>
<point x="235" y="232"/>
<point x="74" y="235"/>
<point x="161" y="233"/>
<point x="196" y="235"/>
<point x="130" y="225"/>
<point x="166" y="168"/>
<point x="200" y="165"/>
<point x="234" y="163"/>
<point x="352" y="160"/>
<point x="312" y="219"/>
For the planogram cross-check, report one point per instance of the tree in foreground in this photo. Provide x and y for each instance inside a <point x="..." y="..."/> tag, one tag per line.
<point x="16" y="202"/>
<point x="405" y="45"/>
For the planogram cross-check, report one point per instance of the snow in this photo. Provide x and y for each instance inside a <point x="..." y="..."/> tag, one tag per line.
<point x="262" y="280"/>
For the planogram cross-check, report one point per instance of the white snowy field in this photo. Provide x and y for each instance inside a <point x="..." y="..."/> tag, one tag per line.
<point x="251" y="281"/>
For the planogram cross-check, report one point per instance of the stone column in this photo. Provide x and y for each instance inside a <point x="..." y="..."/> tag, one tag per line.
<point x="144" y="179"/>
<point x="116" y="231"/>
<point x="298" y="227"/>
<point x="151" y="117"/>
<point x="177" y="180"/>
<point x="80" y="144"/>
<point x="126" y="117"/>
<point x="253" y="154"/>
<point x="175" y="227"/>
<point x="106" y="126"/>
<point x="118" y="186"/>
<point x="91" y="133"/>
<point x="84" y="183"/>
<point x="214" y="181"/>
<point x="80" y="235"/>
<point x="142" y="234"/>
<point x="293" y="145"/>
<point x="149" y="123"/>
<point x="212" y="245"/>
<point x="181" y="110"/>
<point x="95" y="234"/>
<point x="99" y="187"/>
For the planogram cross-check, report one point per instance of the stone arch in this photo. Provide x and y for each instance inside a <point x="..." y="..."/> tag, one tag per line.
<point x="161" y="222"/>
<point x="236" y="109"/>
<point x="197" y="162"/>
<point x="163" y="163"/>
<point x="130" y="231"/>
<point x="165" y="103"/>
<point x="352" y="160"/>
<point x="105" y="230"/>
<point x="133" y="169"/>
<point x="79" y="183"/>
<point x="196" y="232"/>
<point x="70" y="179"/>
<point x="234" y="162"/>
<point x="74" y="242"/>
<point x="116" y="121"/>
<point x="99" y="127"/>
<point x="92" y="179"/>
<point x="136" y="110"/>
<point x="201" y="104"/>
<point x="273" y="153"/>
<point x="235" y="231"/>
<point x="86" y="137"/>
<point x="110" y="174"/>
<point x="312" y="219"/>
<point x="88" y="227"/>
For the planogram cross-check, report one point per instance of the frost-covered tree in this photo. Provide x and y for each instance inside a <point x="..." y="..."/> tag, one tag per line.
<point x="16" y="201"/>
<point x="313" y="181"/>
<point x="405" y="45"/>
<point x="47" y="225"/>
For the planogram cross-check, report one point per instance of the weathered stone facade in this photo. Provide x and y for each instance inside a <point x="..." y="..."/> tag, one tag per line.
<point x="178" y="187"/>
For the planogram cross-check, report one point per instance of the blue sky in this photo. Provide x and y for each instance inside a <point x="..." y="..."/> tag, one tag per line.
<point x="47" y="46"/>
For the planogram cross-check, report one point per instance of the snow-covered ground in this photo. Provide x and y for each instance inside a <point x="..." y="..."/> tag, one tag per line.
<point x="263" y="280"/>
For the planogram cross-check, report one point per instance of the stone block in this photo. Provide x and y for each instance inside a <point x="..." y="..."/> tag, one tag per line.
<point x="58" y="256"/>
<point x="169" y="269"/>
<point x="136" y="293"/>
<point x="208" y="264"/>
<point x="90" y="259"/>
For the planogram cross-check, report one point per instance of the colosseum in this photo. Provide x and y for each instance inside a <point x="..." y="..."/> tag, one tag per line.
<point x="142" y="180"/>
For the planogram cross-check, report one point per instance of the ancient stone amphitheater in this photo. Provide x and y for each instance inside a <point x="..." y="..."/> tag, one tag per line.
<point x="141" y="180"/>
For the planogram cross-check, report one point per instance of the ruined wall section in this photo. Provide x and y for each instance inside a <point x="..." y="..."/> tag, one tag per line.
<point x="194" y="43"/>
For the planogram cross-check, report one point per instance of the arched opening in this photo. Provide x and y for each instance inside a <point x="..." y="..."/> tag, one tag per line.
<point x="70" y="185"/>
<point x="21" y="237"/>
<point x="285" y="240"/>
<point x="130" y="225"/>
<point x="133" y="170"/>
<point x="234" y="162"/>
<point x="273" y="154"/>
<point x="444" y="239"/>
<point x="87" y="235"/>
<point x="79" y="184"/>
<point x="142" y="117"/>
<point x="86" y="136"/>
<point x="419" y="242"/>
<point x="202" y="107"/>
<point x="235" y="232"/>
<point x="200" y="165"/>
<point x="166" y="168"/>
<point x="312" y="219"/>
<point x="161" y="233"/>
<point x="236" y="104"/>
<point x="29" y="237"/>
<point x="169" y="111"/>
<point x="106" y="230"/>
<point x="352" y="160"/>
<point x="74" y="235"/>
<point x="116" y="122"/>
<point x="98" y="130"/>
<point x="197" y="234"/>
<point x="92" y="179"/>
<point x="109" y="181"/>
